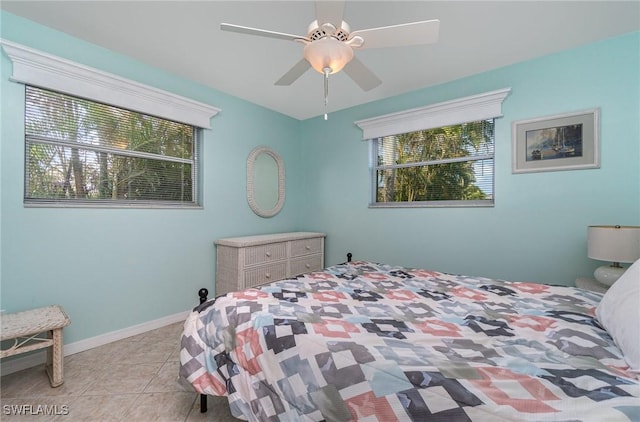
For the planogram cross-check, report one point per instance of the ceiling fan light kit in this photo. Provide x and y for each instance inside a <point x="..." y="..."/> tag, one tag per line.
<point x="329" y="44"/>
<point x="328" y="53"/>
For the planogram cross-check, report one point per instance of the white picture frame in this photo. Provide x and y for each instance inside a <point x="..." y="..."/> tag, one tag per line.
<point x="559" y="142"/>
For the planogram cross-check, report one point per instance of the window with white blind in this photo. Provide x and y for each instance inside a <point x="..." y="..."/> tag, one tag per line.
<point x="97" y="139"/>
<point x="450" y="165"/>
<point x="441" y="155"/>
<point x="81" y="152"/>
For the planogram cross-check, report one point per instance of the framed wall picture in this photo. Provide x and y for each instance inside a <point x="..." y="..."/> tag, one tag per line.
<point x="561" y="142"/>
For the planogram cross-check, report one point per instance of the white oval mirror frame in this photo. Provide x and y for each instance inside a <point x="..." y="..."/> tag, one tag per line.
<point x="251" y="195"/>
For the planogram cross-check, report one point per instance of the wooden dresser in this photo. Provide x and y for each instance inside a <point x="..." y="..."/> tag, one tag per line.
<point x="243" y="262"/>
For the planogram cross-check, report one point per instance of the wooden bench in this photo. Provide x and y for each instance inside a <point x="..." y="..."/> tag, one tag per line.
<point x="25" y="328"/>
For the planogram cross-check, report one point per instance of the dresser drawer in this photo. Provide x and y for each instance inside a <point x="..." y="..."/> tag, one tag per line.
<point x="306" y="246"/>
<point x="306" y="264"/>
<point x="250" y="261"/>
<point x="265" y="274"/>
<point x="265" y="253"/>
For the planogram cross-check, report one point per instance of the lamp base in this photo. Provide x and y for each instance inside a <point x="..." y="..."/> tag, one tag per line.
<point x="608" y="274"/>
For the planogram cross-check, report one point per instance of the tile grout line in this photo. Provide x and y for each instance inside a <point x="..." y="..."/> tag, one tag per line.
<point x="86" y="380"/>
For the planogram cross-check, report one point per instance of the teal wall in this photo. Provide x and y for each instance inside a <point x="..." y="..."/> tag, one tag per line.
<point x="114" y="268"/>
<point x="537" y="229"/>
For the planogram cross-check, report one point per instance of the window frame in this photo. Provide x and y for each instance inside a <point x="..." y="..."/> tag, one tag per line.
<point x="43" y="70"/>
<point x="374" y="168"/>
<point x="84" y="148"/>
<point x="478" y="107"/>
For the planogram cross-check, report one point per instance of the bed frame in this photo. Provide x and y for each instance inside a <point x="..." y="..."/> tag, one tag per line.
<point x="203" y="293"/>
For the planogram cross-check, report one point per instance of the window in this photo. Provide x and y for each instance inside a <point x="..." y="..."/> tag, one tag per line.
<point x="437" y="155"/>
<point x="98" y="139"/>
<point x="451" y="165"/>
<point x="87" y="153"/>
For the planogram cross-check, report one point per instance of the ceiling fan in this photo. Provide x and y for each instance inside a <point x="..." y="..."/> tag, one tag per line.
<point x="329" y="44"/>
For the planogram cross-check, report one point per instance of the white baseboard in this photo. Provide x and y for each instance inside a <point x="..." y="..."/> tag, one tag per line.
<point x="39" y="358"/>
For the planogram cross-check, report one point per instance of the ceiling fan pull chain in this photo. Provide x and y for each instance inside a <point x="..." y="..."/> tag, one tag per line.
<point x="326" y="70"/>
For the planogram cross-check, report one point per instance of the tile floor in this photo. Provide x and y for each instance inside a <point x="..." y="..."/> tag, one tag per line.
<point x="134" y="379"/>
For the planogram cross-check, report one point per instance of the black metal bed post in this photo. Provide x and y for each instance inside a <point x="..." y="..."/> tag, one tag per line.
<point x="203" y="397"/>
<point x="349" y="256"/>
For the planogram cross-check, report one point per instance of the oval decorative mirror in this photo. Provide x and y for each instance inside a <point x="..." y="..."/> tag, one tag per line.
<point x="265" y="182"/>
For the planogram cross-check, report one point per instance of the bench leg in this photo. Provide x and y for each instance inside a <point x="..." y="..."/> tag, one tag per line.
<point x="55" y="359"/>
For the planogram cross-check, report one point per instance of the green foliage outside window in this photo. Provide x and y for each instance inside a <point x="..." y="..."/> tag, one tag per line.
<point x="446" y="165"/>
<point x="80" y="151"/>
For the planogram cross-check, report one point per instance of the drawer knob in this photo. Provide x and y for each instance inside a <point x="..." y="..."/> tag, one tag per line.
<point x="268" y="254"/>
<point x="307" y="265"/>
<point x="267" y="275"/>
<point x="307" y="247"/>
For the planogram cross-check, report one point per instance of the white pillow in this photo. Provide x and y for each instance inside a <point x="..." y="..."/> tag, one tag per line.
<point x="619" y="314"/>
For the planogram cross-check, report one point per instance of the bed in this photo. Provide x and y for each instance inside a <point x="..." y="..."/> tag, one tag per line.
<point x="376" y="342"/>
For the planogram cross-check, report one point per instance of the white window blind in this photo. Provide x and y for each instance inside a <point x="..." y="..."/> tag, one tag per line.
<point x="447" y="166"/>
<point x="86" y="153"/>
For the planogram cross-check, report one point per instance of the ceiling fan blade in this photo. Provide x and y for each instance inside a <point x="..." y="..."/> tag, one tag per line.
<point x="361" y="75"/>
<point x="260" y="32"/>
<point x="330" y="12"/>
<point x="294" y="73"/>
<point x="414" y="33"/>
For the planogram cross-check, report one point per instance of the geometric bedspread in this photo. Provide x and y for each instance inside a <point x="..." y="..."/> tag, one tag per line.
<point x="373" y="342"/>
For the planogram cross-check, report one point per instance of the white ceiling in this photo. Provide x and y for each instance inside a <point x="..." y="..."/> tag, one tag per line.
<point x="184" y="37"/>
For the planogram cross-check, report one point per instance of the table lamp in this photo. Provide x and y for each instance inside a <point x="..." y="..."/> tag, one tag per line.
<point x="615" y="244"/>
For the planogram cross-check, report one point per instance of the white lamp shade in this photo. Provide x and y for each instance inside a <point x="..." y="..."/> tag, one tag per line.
<point x="328" y="53"/>
<point x="614" y="243"/>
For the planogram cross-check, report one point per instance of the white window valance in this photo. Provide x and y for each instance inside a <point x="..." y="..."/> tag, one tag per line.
<point x="33" y="67"/>
<point x="462" y="110"/>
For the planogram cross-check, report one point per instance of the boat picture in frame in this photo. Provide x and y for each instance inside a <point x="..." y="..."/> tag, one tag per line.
<point x="554" y="142"/>
<point x="560" y="142"/>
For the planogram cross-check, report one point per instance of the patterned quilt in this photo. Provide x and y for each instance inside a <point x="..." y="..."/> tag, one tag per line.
<point x="364" y="341"/>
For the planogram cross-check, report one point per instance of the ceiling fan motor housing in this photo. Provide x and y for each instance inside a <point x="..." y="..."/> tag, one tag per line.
<point x="316" y="32"/>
